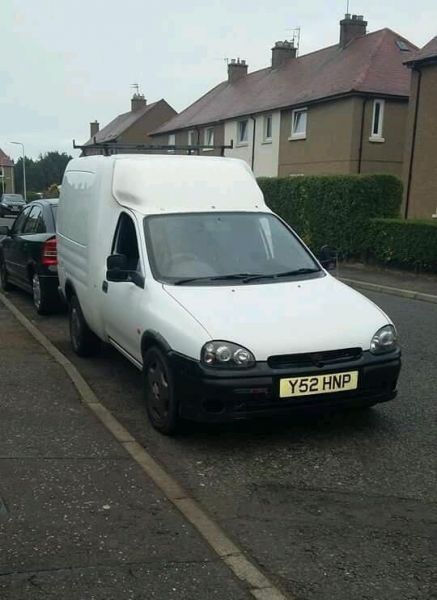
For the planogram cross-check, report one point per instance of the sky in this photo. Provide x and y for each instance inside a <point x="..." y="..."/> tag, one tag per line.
<point x="64" y="64"/>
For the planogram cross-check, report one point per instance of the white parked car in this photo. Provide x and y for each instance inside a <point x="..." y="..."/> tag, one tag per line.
<point x="178" y="263"/>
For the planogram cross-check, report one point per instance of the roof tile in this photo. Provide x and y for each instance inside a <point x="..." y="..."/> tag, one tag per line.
<point x="428" y="51"/>
<point x="372" y="63"/>
<point x="118" y="125"/>
<point x="5" y="161"/>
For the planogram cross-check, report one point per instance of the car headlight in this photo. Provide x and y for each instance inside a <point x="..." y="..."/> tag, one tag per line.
<point x="384" y="340"/>
<point x="226" y="355"/>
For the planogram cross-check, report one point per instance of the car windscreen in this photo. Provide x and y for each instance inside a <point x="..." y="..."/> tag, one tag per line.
<point x="16" y="198"/>
<point x="207" y="248"/>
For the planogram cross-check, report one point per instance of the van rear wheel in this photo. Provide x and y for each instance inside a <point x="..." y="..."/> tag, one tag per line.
<point x="159" y="392"/>
<point x="83" y="340"/>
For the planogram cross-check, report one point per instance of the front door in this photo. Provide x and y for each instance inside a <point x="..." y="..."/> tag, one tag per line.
<point x="122" y="298"/>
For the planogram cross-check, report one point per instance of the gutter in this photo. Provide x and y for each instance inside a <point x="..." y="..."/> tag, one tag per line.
<point x="300" y="104"/>
<point x="413" y="144"/>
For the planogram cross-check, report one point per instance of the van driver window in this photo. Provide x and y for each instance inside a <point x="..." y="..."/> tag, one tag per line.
<point x="126" y="242"/>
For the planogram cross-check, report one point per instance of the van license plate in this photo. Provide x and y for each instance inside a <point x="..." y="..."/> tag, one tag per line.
<point x="318" y="384"/>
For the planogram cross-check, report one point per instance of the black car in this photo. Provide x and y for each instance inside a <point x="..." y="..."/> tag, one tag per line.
<point x="11" y="204"/>
<point x="28" y="256"/>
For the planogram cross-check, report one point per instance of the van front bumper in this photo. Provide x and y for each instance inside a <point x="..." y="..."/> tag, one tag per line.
<point x="218" y="395"/>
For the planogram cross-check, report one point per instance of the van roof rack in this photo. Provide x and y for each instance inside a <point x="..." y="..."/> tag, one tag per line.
<point x="109" y="148"/>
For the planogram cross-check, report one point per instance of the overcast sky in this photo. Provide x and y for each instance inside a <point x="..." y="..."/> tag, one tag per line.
<point x="64" y="64"/>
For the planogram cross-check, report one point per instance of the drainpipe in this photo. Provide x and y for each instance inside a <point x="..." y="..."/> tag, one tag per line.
<point x="198" y="140"/>
<point x="253" y="140"/>
<point x="413" y="145"/>
<point x="360" y="150"/>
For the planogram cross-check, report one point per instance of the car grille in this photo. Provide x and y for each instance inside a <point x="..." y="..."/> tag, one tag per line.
<point x="314" y="359"/>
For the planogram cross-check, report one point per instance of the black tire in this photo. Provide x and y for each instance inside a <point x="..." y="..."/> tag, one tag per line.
<point x="83" y="340"/>
<point x="44" y="300"/>
<point x="4" y="278"/>
<point x="159" y="392"/>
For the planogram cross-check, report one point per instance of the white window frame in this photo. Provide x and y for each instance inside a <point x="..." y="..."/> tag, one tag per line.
<point x="171" y="142"/>
<point x="303" y="134"/>
<point x="191" y="136"/>
<point x="242" y="141"/>
<point x="205" y="138"/>
<point x="267" y="139"/>
<point x="378" y="136"/>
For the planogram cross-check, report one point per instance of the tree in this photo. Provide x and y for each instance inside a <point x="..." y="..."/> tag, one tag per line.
<point x="47" y="170"/>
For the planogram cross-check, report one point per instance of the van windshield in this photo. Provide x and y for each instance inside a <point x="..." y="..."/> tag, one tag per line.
<point x="212" y="248"/>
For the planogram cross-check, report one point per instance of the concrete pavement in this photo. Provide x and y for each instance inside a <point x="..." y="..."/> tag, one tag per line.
<point x="336" y="506"/>
<point x="422" y="283"/>
<point x="78" y="518"/>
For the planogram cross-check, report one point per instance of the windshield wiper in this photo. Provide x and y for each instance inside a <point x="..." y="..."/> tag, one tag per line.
<point x="230" y="277"/>
<point x="303" y="271"/>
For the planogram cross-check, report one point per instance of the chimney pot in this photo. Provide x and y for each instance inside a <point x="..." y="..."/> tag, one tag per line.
<point x="282" y="52"/>
<point x="351" y="27"/>
<point x="138" y="102"/>
<point x="94" y="128"/>
<point x="236" y="70"/>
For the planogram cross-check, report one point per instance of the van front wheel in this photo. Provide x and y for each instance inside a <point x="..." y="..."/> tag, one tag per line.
<point x="161" y="403"/>
<point x="83" y="340"/>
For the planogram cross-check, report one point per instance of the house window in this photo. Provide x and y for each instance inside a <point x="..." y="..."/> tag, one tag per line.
<point x="267" y="134"/>
<point x="242" y="132"/>
<point x="191" y="137"/>
<point x="377" y="121"/>
<point x="209" y="137"/>
<point x="171" y="141"/>
<point x="298" y="124"/>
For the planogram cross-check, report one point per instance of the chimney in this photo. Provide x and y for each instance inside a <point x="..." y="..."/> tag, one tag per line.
<point x="351" y="27"/>
<point x="236" y="70"/>
<point x="282" y="52"/>
<point x="138" y="102"/>
<point x="94" y="128"/>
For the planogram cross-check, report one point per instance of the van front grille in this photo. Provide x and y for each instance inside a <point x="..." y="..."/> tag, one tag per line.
<point x="314" y="359"/>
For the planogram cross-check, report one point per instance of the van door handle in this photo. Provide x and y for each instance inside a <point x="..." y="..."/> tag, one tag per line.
<point x="105" y="287"/>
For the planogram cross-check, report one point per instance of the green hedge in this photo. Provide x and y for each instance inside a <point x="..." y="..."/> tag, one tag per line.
<point x="334" y="209"/>
<point x="410" y="244"/>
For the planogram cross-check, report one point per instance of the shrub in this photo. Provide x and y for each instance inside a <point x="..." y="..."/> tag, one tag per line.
<point x="408" y="244"/>
<point x="333" y="209"/>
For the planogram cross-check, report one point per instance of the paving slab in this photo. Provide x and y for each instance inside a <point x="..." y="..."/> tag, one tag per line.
<point x="78" y="518"/>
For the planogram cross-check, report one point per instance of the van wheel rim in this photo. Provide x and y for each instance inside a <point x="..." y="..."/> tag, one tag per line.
<point x="159" y="389"/>
<point x="36" y="286"/>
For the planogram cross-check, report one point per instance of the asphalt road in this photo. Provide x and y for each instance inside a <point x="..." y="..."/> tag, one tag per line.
<point x="333" y="507"/>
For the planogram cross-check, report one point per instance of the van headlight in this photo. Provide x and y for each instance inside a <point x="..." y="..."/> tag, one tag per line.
<point x="226" y="355"/>
<point x="384" y="340"/>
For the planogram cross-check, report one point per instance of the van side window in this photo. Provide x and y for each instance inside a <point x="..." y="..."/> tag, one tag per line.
<point x="126" y="242"/>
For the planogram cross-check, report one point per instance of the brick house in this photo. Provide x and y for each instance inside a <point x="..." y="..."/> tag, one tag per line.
<point x="420" y="164"/>
<point x="132" y="127"/>
<point x="341" y="109"/>
<point x="7" y="182"/>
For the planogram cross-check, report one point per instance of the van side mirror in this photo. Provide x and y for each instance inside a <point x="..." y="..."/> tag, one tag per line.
<point x="4" y="230"/>
<point x="328" y="258"/>
<point x="116" y="268"/>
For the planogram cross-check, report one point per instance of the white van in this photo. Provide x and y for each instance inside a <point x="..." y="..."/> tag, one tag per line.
<point x="178" y="263"/>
